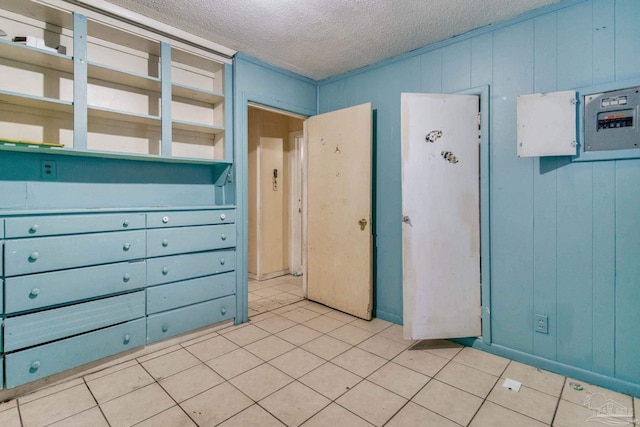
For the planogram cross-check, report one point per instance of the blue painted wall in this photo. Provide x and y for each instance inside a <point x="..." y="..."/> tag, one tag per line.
<point x="264" y="84"/>
<point x="565" y="240"/>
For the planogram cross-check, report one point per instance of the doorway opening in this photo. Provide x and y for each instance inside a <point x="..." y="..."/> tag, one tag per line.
<point x="275" y="154"/>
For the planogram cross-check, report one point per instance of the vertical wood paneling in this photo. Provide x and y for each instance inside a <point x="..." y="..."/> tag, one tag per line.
<point x="627" y="346"/>
<point x="511" y="193"/>
<point x="431" y="72"/>
<point x="456" y="67"/>
<point x="393" y="80"/>
<point x="575" y="272"/>
<point x="627" y="47"/>
<point x="575" y="46"/>
<point x="481" y="60"/>
<point x="604" y="274"/>
<point x="544" y="196"/>
<point x="546" y="53"/>
<point x="603" y="39"/>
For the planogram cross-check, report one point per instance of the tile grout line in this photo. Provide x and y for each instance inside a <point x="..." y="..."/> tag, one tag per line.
<point x="487" y="396"/>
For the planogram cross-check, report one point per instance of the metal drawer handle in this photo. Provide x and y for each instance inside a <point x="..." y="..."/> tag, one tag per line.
<point x="34" y="292"/>
<point x="34" y="366"/>
<point x="126" y="246"/>
<point x="165" y="327"/>
<point x="165" y="243"/>
<point x="222" y="216"/>
<point x="125" y="223"/>
<point x="127" y="338"/>
<point x="126" y="277"/>
<point x="223" y="311"/>
<point x="223" y="237"/>
<point x="165" y="270"/>
<point x="165" y="219"/>
<point x="34" y="256"/>
<point x="34" y="228"/>
<point x="222" y="261"/>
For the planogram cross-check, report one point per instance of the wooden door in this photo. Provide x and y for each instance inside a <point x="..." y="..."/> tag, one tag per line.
<point x="338" y="210"/>
<point x="441" y="216"/>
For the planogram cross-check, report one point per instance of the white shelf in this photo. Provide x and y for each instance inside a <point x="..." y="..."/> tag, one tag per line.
<point x="41" y="58"/>
<point x="195" y="94"/>
<point x="39" y="102"/>
<point x="115" y="75"/>
<point x="197" y="127"/>
<point x="123" y="116"/>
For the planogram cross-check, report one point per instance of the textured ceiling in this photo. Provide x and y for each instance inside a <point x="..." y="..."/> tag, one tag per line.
<point x="323" y="38"/>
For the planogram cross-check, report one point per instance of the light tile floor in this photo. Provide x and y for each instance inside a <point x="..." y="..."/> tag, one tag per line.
<point x="300" y="363"/>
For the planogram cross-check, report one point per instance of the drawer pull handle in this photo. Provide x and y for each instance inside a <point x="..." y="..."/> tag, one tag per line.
<point x="127" y="338"/>
<point x="222" y="261"/>
<point x="34" y="366"/>
<point x="222" y="216"/>
<point x="165" y="243"/>
<point x="34" y="292"/>
<point x="125" y="223"/>
<point x="165" y="270"/>
<point x="126" y="277"/>
<point x="34" y="228"/>
<point x="223" y="311"/>
<point x="165" y="327"/>
<point x="34" y="256"/>
<point x="165" y="219"/>
<point x="223" y="237"/>
<point x="126" y="246"/>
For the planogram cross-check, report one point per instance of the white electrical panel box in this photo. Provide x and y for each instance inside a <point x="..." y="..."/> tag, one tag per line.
<point x="611" y="120"/>
<point x="547" y="124"/>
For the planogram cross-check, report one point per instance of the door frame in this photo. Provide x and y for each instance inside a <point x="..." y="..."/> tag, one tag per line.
<point x="240" y="174"/>
<point x="295" y="158"/>
<point x="484" y="93"/>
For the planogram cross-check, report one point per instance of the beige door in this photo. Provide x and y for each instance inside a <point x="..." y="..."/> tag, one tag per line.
<point x="338" y="210"/>
<point x="441" y="216"/>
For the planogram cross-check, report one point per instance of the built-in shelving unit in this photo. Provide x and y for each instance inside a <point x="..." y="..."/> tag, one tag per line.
<point x="114" y="91"/>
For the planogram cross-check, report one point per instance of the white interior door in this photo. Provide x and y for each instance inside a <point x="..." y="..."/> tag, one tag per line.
<point x="441" y="216"/>
<point x="338" y="210"/>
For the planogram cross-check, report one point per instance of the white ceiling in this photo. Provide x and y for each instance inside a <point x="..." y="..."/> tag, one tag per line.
<point x="323" y="38"/>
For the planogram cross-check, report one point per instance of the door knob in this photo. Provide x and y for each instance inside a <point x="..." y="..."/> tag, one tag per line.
<point x="362" y="223"/>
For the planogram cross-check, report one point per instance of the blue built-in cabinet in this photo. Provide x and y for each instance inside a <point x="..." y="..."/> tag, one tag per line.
<point x="80" y="287"/>
<point x="563" y="233"/>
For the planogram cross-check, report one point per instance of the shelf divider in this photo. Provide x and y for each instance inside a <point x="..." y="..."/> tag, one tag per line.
<point x="165" y="74"/>
<point x="80" y="119"/>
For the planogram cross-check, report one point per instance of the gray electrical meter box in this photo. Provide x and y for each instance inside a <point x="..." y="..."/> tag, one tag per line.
<point x="611" y="120"/>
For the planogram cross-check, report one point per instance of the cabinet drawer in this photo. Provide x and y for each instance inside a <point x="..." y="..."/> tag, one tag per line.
<point x="175" y="322"/>
<point x="1" y="229"/>
<point x="55" y="253"/>
<point x="174" y="295"/>
<point x="182" y="267"/>
<point x="171" y="241"/>
<point x="182" y="218"/>
<point x="28" y="226"/>
<point x="38" y="362"/>
<point x="34" y="291"/>
<point x="44" y="326"/>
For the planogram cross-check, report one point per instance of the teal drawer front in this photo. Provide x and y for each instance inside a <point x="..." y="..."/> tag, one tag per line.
<point x="38" y="362"/>
<point x="174" y="295"/>
<point x="180" y="219"/>
<point x="1" y="229"/>
<point x="55" y="253"/>
<point x="35" y="291"/>
<point x="72" y="224"/>
<point x="44" y="326"/>
<point x="171" y="241"/>
<point x="175" y="322"/>
<point x="182" y="267"/>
